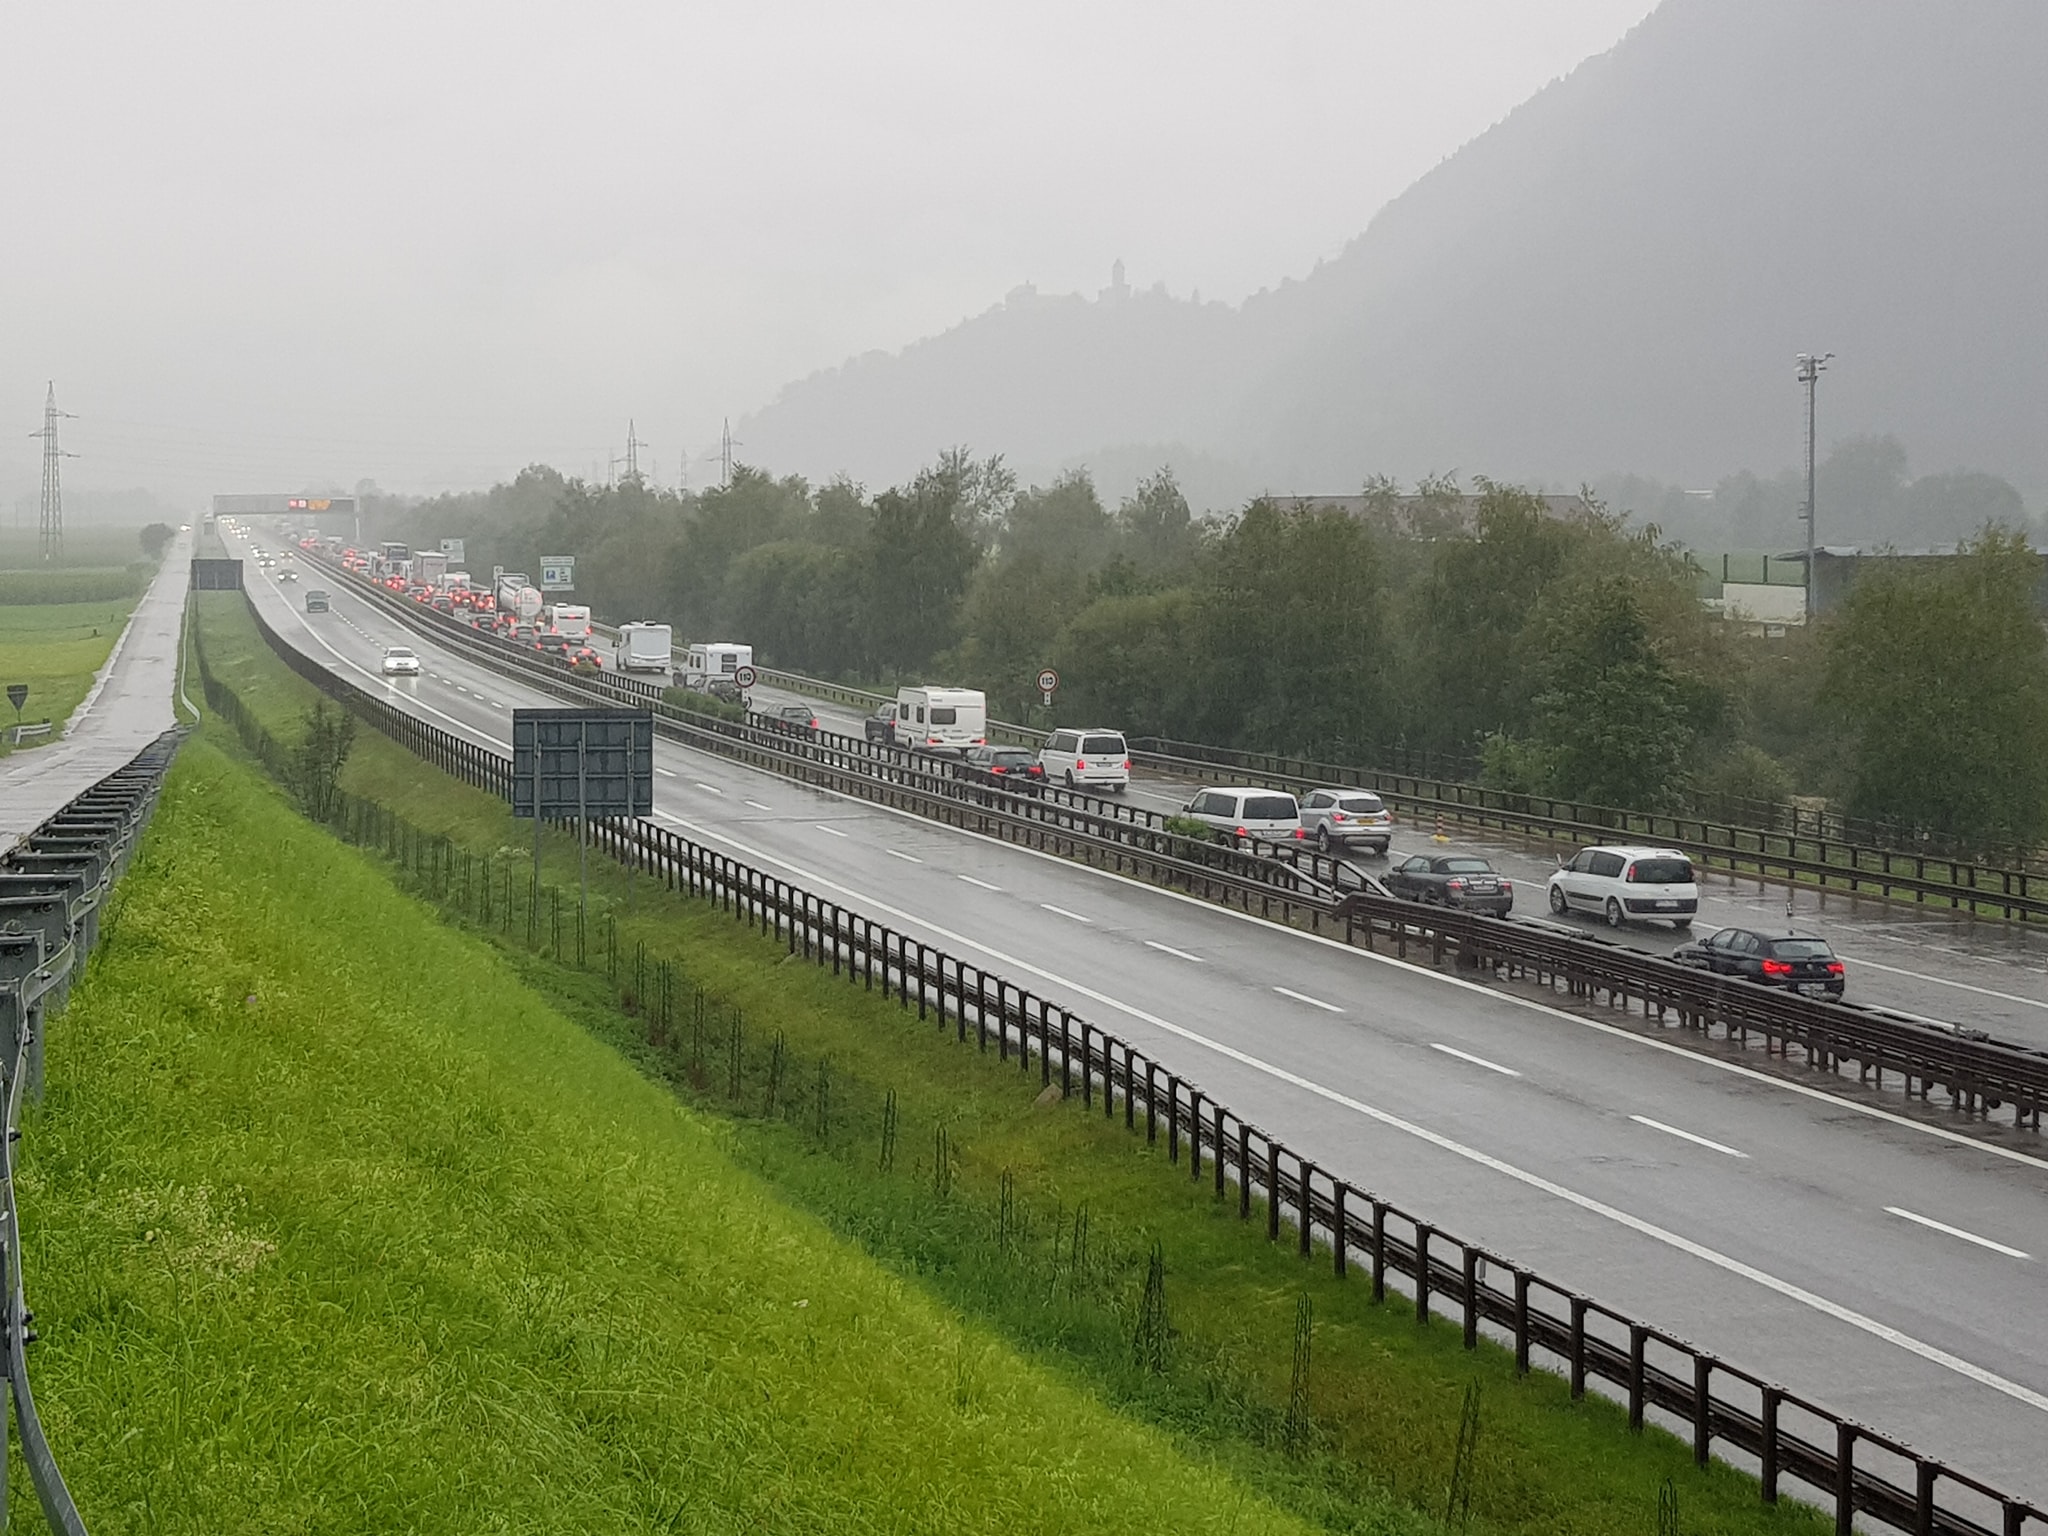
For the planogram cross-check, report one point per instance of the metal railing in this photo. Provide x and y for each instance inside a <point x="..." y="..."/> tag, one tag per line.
<point x="53" y="890"/>
<point x="1790" y="1440"/>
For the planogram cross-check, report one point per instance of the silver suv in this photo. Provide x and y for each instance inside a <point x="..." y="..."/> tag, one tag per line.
<point x="1348" y="818"/>
<point x="1625" y="885"/>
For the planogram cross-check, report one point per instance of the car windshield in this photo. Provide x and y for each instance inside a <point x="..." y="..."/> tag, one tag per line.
<point x="1103" y="746"/>
<point x="1467" y="867"/>
<point x="1270" y="808"/>
<point x="398" y="650"/>
<point x="1661" y="872"/>
<point x="1361" y="805"/>
<point x="1801" y="949"/>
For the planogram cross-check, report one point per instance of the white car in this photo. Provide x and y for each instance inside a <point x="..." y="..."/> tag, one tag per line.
<point x="1248" y="816"/>
<point x="1624" y="885"/>
<point x="399" y="661"/>
<point x="1095" y="758"/>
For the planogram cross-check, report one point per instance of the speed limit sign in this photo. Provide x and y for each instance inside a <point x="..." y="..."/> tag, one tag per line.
<point x="1048" y="680"/>
<point x="744" y="677"/>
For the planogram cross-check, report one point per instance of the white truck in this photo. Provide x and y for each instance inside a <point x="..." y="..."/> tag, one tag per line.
<point x="714" y="661"/>
<point x="941" y="719"/>
<point x="644" y="646"/>
<point x="429" y="566"/>
<point x="571" y="621"/>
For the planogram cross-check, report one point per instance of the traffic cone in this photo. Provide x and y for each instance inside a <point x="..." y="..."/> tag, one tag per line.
<point x="1439" y="837"/>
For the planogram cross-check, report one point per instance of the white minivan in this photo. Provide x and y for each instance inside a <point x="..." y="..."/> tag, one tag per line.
<point x="941" y="719"/>
<point x="1625" y="884"/>
<point x="1247" y="816"/>
<point x="1092" y="757"/>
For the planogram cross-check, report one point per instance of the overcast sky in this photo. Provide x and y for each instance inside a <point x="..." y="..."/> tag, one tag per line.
<point x="264" y="246"/>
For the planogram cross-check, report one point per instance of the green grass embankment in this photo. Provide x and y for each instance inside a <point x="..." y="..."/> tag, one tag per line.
<point x="336" y="1225"/>
<point x="56" y="648"/>
<point x="1039" y="1220"/>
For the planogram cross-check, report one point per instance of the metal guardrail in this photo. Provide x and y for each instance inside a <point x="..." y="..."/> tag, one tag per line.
<point x="1978" y="1075"/>
<point x="1790" y="1439"/>
<point x="53" y="889"/>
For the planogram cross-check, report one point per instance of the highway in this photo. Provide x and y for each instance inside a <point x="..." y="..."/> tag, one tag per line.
<point x="1891" y="1268"/>
<point x="1918" y="959"/>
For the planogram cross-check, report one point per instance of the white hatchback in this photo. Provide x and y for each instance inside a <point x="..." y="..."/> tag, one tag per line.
<point x="400" y="661"/>
<point x="1625" y="885"/>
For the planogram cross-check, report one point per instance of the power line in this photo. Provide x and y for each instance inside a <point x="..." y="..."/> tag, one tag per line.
<point x="50" y="539"/>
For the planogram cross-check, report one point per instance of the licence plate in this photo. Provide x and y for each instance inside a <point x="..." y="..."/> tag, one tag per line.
<point x="1813" y="988"/>
<point x="1667" y="906"/>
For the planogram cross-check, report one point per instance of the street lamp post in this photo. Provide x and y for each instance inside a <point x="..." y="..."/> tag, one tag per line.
<point x="1811" y="365"/>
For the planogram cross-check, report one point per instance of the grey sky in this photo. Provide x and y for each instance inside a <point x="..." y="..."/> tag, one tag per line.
<point x="267" y="245"/>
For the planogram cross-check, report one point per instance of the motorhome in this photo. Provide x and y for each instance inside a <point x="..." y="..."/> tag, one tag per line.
<point x="571" y="621"/>
<point x="714" y="661"/>
<point x="644" y="647"/>
<point x="941" y="719"/>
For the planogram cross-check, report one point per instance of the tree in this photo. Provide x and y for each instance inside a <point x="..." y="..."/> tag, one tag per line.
<point x="154" y="538"/>
<point x="1939" y="668"/>
<point x="313" y="767"/>
<point x="1157" y="527"/>
<point x="1611" y="715"/>
<point x="914" y="565"/>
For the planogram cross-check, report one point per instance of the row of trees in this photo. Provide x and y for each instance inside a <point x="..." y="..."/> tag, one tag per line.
<point x="1560" y="654"/>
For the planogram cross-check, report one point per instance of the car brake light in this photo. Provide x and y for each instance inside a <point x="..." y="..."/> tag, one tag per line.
<point x="1834" y="967"/>
<point x="1336" y="815"/>
<point x="1240" y="832"/>
<point x="1777" y="967"/>
<point x="1507" y="887"/>
<point x="1299" y="833"/>
<point x="1127" y="765"/>
<point x="1080" y="765"/>
<point x="1456" y="884"/>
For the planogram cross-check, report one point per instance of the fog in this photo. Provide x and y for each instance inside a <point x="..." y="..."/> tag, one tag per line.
<point x="299" y="245"/>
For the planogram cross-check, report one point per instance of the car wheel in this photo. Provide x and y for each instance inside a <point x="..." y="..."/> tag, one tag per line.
<point x="1070" y="779"/>
<point x="1682" y="924"/>
<point x="1323" y="841"/>
<point x="1614" y="914"/>
<point x="1557" y="901"/>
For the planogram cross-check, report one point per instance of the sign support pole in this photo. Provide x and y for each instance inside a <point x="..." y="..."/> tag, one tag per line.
<point x="582" y="839"/>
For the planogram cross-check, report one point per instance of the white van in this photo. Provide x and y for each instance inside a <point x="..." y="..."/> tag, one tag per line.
<point x="571" y="621"/>
<point x="941" y="719"/>
<point x="714" y="661"/>
<point x="643" y="647"/>
<point x="1095" y="756"/>
<point x="1245" y="816"/>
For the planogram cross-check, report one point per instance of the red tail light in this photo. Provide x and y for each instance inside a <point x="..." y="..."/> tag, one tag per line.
<point x="1777" y="967"/>
<point x="1507" y="887"/>
<point x="1457" y="884"/>
<point x="1834" y="967"/>
<point x="1080" y="766"/>
<point x="1336" y="815"/>
<point x="1127" y="765"/>
<point x="1241" y="832"/>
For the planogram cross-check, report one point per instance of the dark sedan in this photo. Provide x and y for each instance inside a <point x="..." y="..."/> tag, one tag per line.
<point x="790" y="719"/>
<point x="1776" y="957"/>
<point x="1004" y="767"/>
<point x="1453" y="880"/>
<point x="881" y="726"/>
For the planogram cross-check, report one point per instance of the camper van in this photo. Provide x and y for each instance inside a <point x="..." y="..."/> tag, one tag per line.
<point x="714" y="661"/>
<point x="571" y="621"/>
<point x="644" y="647"/>
<point x="941" y="719"/>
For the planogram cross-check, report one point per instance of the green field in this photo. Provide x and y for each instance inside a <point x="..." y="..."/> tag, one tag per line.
<point x="56" y="648"/>
<point x="1043" y="1230"/>
<point x="21" y="548"/>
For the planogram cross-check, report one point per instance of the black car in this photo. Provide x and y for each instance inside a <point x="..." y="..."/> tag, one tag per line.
<point x="1460" y="880"/>
<point x="881" y="725"/>
<point x="1776" y="957"/>
<point x="790" y="719"/>
<point x="1013" y="768"/>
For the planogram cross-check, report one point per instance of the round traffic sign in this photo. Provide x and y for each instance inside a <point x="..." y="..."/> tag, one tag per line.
<point x="1048" y="680"/>
<point x="744" y="677"/>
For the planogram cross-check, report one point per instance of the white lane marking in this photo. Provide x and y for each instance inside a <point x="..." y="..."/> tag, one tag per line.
<point x="982" y="883"/>
<point x="713" y="788"/>
<point x="1960" y="986"/>
<point x="1637" y="1224"/>
<point x="1477" y="1061"/>
<point x="757" y="805"/>
<point x="1672" y="1130"/>
<point x="1313" y="1002"/>
<point x="828" y="831"/>
<point x="905" y="857"/>
<point x="666" y="773"/>
<point x="1063" y="912"/>
<point x="1968" y="1237"/>
<point x="1178" y="954"/>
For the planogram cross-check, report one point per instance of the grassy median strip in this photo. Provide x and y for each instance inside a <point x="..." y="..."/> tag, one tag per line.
<point x="1068" y="1236"/>
<point x="54" y="647"/>
<point x="335" y="1224"/>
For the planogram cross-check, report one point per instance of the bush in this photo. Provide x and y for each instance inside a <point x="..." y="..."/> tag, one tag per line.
<point x="696" y="703"/>
<point x="1741" y="779"/>
<point x="154" y="538"/>
<point x="1515" y="766"/>
<point x="1187" y="826"/>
